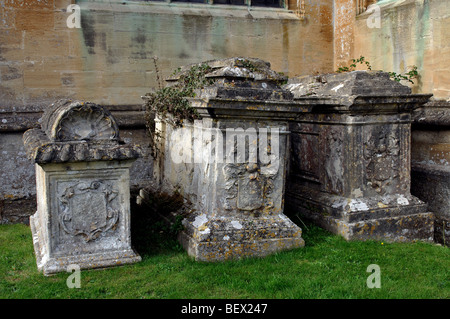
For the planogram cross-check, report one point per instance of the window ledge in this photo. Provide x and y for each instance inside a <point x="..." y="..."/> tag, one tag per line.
<point x="180" y="8"/>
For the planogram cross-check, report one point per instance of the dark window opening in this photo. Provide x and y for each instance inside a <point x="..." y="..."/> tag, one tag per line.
<point x="191" y="1"/>
<point x="253" y="3"/>
<point x="266" y="3"/>
<point x="231" y="2"/>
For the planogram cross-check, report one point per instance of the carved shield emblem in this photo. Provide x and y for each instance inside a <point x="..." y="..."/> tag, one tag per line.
<point x="88" y="209"/>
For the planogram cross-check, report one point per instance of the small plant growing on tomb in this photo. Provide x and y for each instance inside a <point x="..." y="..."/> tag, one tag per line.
<point x="407" y="76"/>
<point x="173" y="100"/>
<point x="248" y="65"/>
<point x="171" y="103"/>
<point x="353" y="65"/>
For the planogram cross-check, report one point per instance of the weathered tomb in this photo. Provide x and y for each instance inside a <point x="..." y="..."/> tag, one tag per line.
<point x="343" y="160"/>
<point x="350" y="158"/>
<point x="231" y="163"/>
<point x="430" y="163"/>
<point x="82" y="183"/>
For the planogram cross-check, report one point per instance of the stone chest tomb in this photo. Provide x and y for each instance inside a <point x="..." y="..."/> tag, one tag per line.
<point x="340" y="156"/>
<point x="82" y="184"/>
<point x="231" y="163"/>
<point x="350" y="163"/>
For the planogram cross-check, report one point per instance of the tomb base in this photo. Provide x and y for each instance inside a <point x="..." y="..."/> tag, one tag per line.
<point x="52" y="265"/>
<point x="218" y="239"/>
<point x="389" y="218"/>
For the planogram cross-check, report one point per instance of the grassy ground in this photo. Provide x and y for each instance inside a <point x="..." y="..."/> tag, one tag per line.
<point x="327" y="267"/>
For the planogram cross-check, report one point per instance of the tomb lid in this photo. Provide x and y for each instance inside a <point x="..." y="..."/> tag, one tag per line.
<point x="236" y="72"/>
<point x="68" y="120"/>
<point x="237" y="78"/>
<point x="347" y="84"/>
<point x="435" y="112"/>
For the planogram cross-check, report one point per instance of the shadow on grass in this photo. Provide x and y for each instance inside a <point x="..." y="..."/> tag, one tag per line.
<point x="311" y="233"/>
<point x="151" y="233"/>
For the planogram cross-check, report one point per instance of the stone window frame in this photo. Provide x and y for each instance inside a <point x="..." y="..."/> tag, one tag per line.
<point x="195" y="9"/>
<point x="283" y="4"/>
<point x="362" y="5"/>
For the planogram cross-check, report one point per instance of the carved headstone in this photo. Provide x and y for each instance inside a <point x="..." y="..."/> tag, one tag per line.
<point x="82" y="176"/>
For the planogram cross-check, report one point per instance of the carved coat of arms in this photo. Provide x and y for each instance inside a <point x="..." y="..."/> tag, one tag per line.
<point x="88" y="209"/>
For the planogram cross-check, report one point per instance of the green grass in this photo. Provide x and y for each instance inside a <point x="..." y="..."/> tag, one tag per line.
<point x="327" y="267"/>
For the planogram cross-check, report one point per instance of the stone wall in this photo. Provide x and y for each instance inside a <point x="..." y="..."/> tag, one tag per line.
<point x="410" y="33"/>
<point x="109" y="59"/>
<point x="344" y="30"/>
